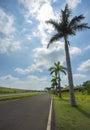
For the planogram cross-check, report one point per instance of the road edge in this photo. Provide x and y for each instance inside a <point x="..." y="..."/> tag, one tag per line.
<point x="50" y="116"/>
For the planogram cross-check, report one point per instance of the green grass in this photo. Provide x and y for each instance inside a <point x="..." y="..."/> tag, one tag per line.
<point x="4" y="98"/>
<point x="72" y="118"/>
<point x="12" y="90"/>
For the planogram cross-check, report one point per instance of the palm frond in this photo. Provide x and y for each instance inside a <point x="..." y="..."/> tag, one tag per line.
<point x="54" y="38"/>
<point x="76" y="20"/>
<point x="71" y="31"/>
<point x="51" y="68"/>
<point x="57" y="64"/>
<point x="54" y="71"/>
<point x="60" y="67"/>
<point x="54" y="24"/>
<point x="63" y="71"/>
<point x="80" y="27"/>
<point x="65" y="15"/>
<point x="67" y="10"/>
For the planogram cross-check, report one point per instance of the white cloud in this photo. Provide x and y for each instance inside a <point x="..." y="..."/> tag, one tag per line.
<point x="7" y="27"/>
<point x="33" y="35"/>
<point x="32" y="6"/>
<point x="29" y="21"/>
<point x="48" y="56"/>
<point x="87" y="48"/>
<point x="9" y="44"/>
<point x="41" y="11"/>
<point x="55" y="1"/>
<point x="44" y="58"/>
<point x="16" y="46"/>
<point x="79" y="76"/>
<point x="31" y="82"/>
<point x="6" y="23"/>
<point x="78" y="79"/>
<point x="32" y="68"/>
<point x="75" y="51"/>
<point x="29" y="37"/>
<point x="8" y="77"/>
<point x="85" y="66"/>
<point x="45" y="12"/>
<point x="73" y="3"/>
<point x="37" y="82"/>
<point x="4" y="44"/>
<point x="22" y="71"/>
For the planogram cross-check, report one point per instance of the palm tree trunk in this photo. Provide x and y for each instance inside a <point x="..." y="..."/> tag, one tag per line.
<point x="56" y="90"/>
<point x="56" y="84"/>
<point x="70" y="78"/>
<point x="59" y="85"/>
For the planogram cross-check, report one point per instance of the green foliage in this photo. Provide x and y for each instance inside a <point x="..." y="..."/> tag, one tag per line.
<point x="86" y="87"/>
<point x="66" y="26"/>
<point x="72" y="118"/>
<point x="55" y="73"/>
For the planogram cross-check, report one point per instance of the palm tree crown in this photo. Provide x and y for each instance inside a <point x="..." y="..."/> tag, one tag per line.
<point x="67" y="26"/>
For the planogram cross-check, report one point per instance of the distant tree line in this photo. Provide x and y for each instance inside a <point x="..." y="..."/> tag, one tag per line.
<point x="84" y="88"/>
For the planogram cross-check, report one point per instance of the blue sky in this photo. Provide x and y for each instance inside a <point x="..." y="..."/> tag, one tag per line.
<point x="24" y="35"/>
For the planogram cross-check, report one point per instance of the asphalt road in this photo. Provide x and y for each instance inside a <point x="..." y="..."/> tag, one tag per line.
<point x="25" y="114"/>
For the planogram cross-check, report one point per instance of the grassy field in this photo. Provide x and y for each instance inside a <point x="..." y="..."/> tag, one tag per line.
<point x="12" y="90"/>
<point x="72" y="118"/>
<point x="19" y="93"/>
<point x="4" y="98"/>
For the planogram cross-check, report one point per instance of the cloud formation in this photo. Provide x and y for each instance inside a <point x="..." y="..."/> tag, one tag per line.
<point x="78" y="78"/>
<point x="6" y="23"/>
<point x="87" y="48"/>
<point x="29" y="34"/>
<point x="30" y="82"/>
<point x="85" y="66"/>
<point x="75" y="51"/>
<point x="44" y="58"/>
<point x="7" y="29"/>
<point x="40" y="11"/>
<point x="8" y="44"/>
<point x="73" y="3"/>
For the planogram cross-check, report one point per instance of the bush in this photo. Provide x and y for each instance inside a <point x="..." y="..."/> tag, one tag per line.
<point x="86" y="87"/>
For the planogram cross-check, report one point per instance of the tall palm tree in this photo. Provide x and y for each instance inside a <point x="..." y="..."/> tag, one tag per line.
<point x="64" y="28"/>
<point x="57" y="69"/>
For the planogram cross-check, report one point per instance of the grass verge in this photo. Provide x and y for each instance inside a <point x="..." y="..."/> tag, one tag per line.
<point x="18" y="96"/>
<point x="72" y="118"/>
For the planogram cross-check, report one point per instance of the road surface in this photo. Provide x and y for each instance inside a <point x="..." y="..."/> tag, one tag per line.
<point x="25" y="114"/>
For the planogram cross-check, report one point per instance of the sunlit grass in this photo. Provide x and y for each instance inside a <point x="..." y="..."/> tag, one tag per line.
<point x="10" y="97"/>
<point x="12" y="90"/>
<point x="72" y="118"/>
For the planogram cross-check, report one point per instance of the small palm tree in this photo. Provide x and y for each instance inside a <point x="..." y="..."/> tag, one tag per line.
<point x="64" y="28"/>
<point x="54" y="83"/>
<point x="54" y="78"/>
<point x="57" y="69"/>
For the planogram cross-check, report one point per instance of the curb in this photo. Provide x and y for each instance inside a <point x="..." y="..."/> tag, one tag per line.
<point x="49" y="117"/>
